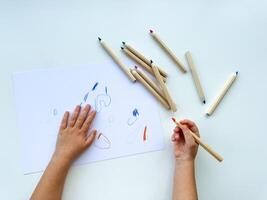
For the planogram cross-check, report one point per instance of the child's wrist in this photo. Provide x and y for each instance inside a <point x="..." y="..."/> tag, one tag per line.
<point x="181" y="162"/>
<point x="60" y="160"/>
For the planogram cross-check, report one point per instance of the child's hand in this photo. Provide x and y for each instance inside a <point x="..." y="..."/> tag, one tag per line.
<point x="185" y="147"/>
<point x="73" y="136"/>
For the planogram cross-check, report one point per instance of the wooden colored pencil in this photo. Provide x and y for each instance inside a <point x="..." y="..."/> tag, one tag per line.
<point x="150" y="89"/>
<point x="202" y="144"/>
<point x="195" y="76"/>
<point x="150" y="82"/>
<point x="148" y="68"/>
<point x="117" y="60"/>
<point x="168" y="51"/>
<point x="143" y="58"/>
<point x="220" y="96"/>
<point x="164" y="88"/>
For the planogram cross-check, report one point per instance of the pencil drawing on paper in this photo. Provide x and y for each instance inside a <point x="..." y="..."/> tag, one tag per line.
<point x="145" y="134"/>
<point x="133" y="118"/>
<point x="55" y="111"/>
<point x="102" y="142"/>
<point x="95" y="85"/>
<point x="100" y="99"/>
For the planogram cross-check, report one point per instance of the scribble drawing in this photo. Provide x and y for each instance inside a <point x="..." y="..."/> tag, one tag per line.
<point x="55" y="111"/>
<point x="51" y="120"/>
<point x="102" y="142"/>
<point x="102" y="100"/>
<point x="135" y="112"/>
<point x="131" y="120"/>
<point x="145" y="134"/>
<point x="99" y="100"/>
<point x="95" y="85"/>
<point x="85" y="97"/>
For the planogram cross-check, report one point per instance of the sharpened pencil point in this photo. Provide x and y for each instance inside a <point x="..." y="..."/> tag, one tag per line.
<point x="99" y="39"/>
<point x="236" y="72"/>
<point x="173" y="119"/>
<point x="204" y="102"/>
<point x="151" y="61"/>
<point x="122" y="48"/>
<point x="151" y="31"/>
<point x="135" y="67"/>
<point x="123" y="43"/>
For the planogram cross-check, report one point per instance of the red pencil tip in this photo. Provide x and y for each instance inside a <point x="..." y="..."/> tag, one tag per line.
<point x="173" y="119"/>
<point x="151" y="31"/>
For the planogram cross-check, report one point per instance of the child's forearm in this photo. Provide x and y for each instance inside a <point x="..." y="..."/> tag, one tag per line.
<point x="184" y="186"/>
<point x="51" y="184"/>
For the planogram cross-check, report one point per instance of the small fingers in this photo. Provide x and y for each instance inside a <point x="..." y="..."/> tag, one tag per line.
<point x="88" y="121"/>
<point x="189" y="139"/>
<point x="191" y="125"/>
<point x="75" y="115"/>
<point x="64" y="122"/>
<point x="175" y="137"/>
<point x="176" y="129"/>
<point x="90" y="138"/>
<point x="82" y="116"/>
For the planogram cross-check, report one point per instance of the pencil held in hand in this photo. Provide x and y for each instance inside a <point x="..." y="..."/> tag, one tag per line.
<point x="205" y="146"/>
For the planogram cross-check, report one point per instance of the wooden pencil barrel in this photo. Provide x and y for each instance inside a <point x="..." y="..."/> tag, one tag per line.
<point x="117" y="60"/>
<point x="169" y="52"/>
<point x="221" y="95"/>
<point x="164" y="88"/>
<point x="150" y="89"/>
<point x="144" y="59"/>
<point x="148" y="68"/>
<point x="195" y="76"/>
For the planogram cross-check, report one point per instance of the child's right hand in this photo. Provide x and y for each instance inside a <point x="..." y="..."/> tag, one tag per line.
<point x="185" y="147"/>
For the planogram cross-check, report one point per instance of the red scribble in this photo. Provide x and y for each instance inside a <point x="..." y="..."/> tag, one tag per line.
<point x="144" y="135"/>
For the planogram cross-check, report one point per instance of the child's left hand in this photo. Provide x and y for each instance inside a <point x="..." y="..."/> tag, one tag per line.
<point x="73" y="138"/>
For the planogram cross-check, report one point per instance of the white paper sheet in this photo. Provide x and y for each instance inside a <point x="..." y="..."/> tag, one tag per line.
<point x="123" y="110"/>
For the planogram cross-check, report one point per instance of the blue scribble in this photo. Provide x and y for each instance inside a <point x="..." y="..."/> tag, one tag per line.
<point x="135" y="112"/>
<point x="106" y="89"/>
<point x="85" y="96"/>
<point x="95" y="86"/>
<point x="55" y="112"/>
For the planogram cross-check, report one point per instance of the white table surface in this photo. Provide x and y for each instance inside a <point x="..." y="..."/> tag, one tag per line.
<point x="224" y="36"/>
